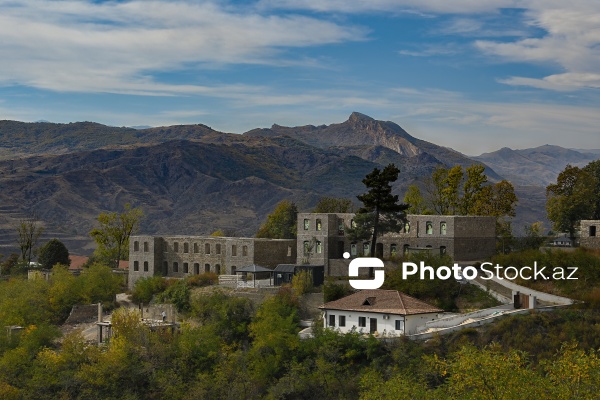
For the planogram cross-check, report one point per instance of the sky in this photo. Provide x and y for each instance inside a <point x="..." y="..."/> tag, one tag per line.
<point x="474" y="75"/>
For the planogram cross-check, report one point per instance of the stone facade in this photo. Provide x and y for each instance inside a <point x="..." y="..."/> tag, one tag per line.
<point x="590" y="233"/>
<point x="181" y="256"/>
<point x="322" y="239"/>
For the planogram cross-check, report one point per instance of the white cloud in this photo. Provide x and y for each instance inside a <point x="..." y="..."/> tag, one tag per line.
<point x="68" y="45"/>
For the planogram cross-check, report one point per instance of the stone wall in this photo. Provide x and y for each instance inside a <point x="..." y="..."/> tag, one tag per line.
<point x="590" y="234"/>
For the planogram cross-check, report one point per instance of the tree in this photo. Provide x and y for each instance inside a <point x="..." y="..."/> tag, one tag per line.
<point x="472" y="188"/>
<point x="497" y="200"/>
<point x="281" y="223"/>
<point x="113" y="235"/>
<point x="334" y="205"/>
<point x="52" y="253"/>
<point x="593" y="169"/>
<point x="571" y="198"/>
<point x="29" y="231"/>
<point x="381" y="211"/>
<point x="415" y="200"/>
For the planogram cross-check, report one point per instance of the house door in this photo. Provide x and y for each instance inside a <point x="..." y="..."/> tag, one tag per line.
<point x="373" y="323"/>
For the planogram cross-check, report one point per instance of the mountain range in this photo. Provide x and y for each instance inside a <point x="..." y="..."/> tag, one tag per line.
<point x="191" y="179"/>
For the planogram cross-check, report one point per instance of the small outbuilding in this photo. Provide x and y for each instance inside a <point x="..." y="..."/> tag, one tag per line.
<point x="378" y="312"/>
<point x="285" y="272"/>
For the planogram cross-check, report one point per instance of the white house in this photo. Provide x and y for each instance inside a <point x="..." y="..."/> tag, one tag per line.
<point x="380" y="312"/>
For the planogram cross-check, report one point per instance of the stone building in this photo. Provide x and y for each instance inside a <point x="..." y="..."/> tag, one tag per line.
<point x="590" y="233"/>
<point x="181" y="256"/>
<point x="322" y="239"/>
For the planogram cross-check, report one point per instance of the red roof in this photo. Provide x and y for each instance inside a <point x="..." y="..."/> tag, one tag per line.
<point x="381" y="301"/>
<point x="78" y="261"/>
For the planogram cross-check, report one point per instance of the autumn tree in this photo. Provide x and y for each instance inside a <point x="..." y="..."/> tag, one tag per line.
<point x="112" y="237"/>
<point x="572" y="198"/>
<point x="333" y="205"/>
<point x="381" y="211"/>
<point x="52" y="253"/>
<point x="415" y="201"/>
<point x="29" y="230"/>
<point x="281" y="223"/>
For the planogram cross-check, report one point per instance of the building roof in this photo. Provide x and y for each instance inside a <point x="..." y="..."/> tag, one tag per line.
<point x="285" y="268"/>
<point x="253" y="268"/>
<point x="381" y="301"/>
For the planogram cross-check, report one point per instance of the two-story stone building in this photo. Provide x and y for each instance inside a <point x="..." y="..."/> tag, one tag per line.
<point x="590" y="233"/>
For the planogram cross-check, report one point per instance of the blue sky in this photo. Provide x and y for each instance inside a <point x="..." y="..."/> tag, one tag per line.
<point x="474" y="75"/>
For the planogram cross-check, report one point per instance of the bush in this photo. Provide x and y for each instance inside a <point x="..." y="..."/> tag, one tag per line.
<point x="334" y="291"/>
<point x="177" y="294"/>
<point x="145" y="289"/>
<point x="302" y="282"/>
<point x="204" y="279"/>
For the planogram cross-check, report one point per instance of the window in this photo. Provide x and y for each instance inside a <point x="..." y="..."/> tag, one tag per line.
<point x="342" y="320"/>
<point x="353" y="249"/>
<point x="186" y="247"/>
<point x="185" y="268"/>
<point x="341" y="227"/>
<point x="407" y="227"/>
<point x="196" y="268"/>
<point x="289" y="253"/>
<point x="393" y="249"/>
<point x="165" y="268"/>
<point x="400" y="325"/>
<point x="592" y="230"/>
<point x="429" y="228"/>
<point x="233" y="269"/>
<point x="218" y="248"/>
<point x="331" y="320"/>
<point x="136" y="266"/>
<point x="366" y="248"/>
<point x="442" y="250"/>
<point x="175" y="267"/>
<point x="145" y="266"/>
<point x="196" y="248"/>
<point x="319" y="226"/>
<point x="306" y="246"/>
<point x="146" y="247"/>
<point x="207" y="248"/>
<point x="352" y="223"/>
<point x="442" y="228"/>
<point x="306" y="224"/>
<point x="136" y="246"/>
<point x="319" y="247"/>
<point x="206" y="267"/>
<point x="405" y="249"/>
<point x="244" y="251"/>
<point x="176" y="247"/>
<point x="218" y="269"/>
<point x="362" y="322"/>
<point x="234" y="250"/>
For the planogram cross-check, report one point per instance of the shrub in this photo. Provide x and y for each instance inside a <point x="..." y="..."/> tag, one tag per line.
<point x="333" y="291"/>
<point x="146" y="288"/>
<point x="204" y="279"/>
<point x="302" y="282"/>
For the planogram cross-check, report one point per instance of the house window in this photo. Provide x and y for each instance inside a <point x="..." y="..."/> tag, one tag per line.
<point x="206" y="267"/>
<point x="341" y="227"/>
<point x="405" y="249"/>
<point x="233" y="269"/>
<point x="331" y="320"/>
<point x="186" y="247"/>
<point x="342" y="320"/>
<point x="429" y="228"/>
<point x="196" y="248"/>
<point x="319" y="224"/>
<point x="136" y="266"/>
<point x="196" y="268"/>
<point x="362" y="322"/>
<point x="353" y="250"/>
<point x="176" y="247"/>
<point x="289" y="253"/>
<point x="366" y="248"/>
<point x="442" y="250"/>
<point x="146" y="247"/>
<point x="393" y="249"/>
<point x="244" y="251"/>
<point x="400" y="325"/>
<point x="136" y="246"/>
<point x="352" y="224"/>
<point x="319" y="247"/>
<point x="407" y="227"/>
<point x="218" y="269"/>
<point x="185" y="268"/>
<point x="234" y="250"/>
<point x="218" y="248"/>
<point x="306" y="224"/>
<point x="175" y="267"/>
<point x="592" y="230"/>
<point x="145" y="266"/>
<point x="306" y="247"/>
<point x="442" y="228"/>
<point x="207" y="248"/>
<point x="165" y="268"/>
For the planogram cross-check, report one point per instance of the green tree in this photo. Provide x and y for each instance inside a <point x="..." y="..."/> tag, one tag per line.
<point x="593" y="169"/>
<point x="334" y="205"/>
<point x="571" y="199"/>
<point x="52" y="253"/>
<point x="534" y="235"/>
<point x="473" y="186"/>
<point x="29" y="231"/>
<point x="281" y="223"/>
<point x="381" y="211"/>
<point x="497" y="200"/>
<point x="112" y="237"/>
<point x="415" y="201"/>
